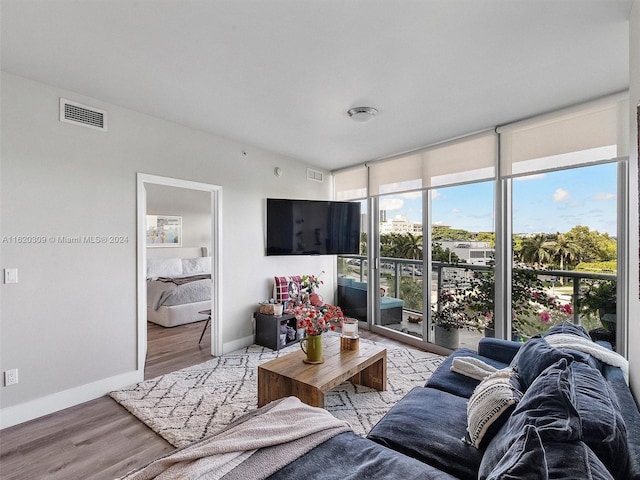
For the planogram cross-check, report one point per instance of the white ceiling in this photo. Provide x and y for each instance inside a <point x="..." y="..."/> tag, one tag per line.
<point x="281" y="74"/>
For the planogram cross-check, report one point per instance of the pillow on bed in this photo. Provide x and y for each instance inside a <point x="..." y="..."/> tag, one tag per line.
<point x="164" y="267"/>
<point x="196" y="266"/>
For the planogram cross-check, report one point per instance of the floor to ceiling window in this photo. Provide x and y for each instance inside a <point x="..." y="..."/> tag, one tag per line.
<point x="500" y="233"/>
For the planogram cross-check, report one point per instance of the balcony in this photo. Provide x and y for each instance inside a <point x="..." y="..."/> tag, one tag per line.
<point x="541" y="298"/>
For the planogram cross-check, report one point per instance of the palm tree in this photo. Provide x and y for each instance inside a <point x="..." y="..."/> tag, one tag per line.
<point x="563" y="248"/>
<point x="412" y="247"/>
<point x="536" y="249"/>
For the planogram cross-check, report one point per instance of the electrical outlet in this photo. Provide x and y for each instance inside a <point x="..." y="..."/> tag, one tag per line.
<point x="10" y="377"/>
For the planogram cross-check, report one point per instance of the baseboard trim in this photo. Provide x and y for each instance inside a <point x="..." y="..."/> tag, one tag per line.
<point x="238" y="344"/>
<point x="14" y="415"/>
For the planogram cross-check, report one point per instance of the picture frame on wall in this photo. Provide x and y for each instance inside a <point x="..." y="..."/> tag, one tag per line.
<point x="164" y="231"/>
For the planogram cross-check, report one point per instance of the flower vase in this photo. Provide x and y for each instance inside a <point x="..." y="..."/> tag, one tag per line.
<point x="311" y="345"/>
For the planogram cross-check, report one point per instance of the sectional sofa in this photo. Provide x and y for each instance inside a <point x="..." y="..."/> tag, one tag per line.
<point x="573" y="417"/>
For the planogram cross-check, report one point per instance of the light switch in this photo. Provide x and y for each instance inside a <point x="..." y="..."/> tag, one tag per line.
<point x="10" y="275"/>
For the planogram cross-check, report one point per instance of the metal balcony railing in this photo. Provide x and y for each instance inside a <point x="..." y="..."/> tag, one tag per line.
<point x="446" y="274"/>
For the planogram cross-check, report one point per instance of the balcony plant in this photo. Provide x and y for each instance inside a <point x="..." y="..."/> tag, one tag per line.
<point x="532" y="306"/>
<point x="599" y="299"/>
<point x="451" y="315"/>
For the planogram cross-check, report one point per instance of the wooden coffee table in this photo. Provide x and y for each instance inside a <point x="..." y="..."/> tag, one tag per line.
<point x="289" y="375"/>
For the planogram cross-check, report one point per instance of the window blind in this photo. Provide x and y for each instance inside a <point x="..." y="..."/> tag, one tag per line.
<point x="468" y="159"/>
<point x="350" y="184"/>
<point x="571" y="137"/>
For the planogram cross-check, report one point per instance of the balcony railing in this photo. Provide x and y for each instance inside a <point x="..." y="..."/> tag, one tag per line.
<point x="450" y="275"/>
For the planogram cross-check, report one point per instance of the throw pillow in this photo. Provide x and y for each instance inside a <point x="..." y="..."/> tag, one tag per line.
<point x="524" y="459"/>
<point x="490" y="405"/>
<point x="281" y="287"/>
<point x="547" y="406"/>
<point x="196" y="266"/>
<point x="602" y="427"/>
<point x="534" y="357"/>
<point x="163" y="267"/>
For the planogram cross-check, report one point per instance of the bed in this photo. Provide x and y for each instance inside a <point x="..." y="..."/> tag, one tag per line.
<point x="178" y="289"/>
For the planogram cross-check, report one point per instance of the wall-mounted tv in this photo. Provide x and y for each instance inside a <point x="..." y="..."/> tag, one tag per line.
<point x="312" y="227"/>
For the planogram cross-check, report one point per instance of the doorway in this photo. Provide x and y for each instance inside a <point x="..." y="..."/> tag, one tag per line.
<point x="215" y="197"/>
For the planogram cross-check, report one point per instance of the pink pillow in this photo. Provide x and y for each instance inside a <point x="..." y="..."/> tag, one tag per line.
<point x="282" y="287"/>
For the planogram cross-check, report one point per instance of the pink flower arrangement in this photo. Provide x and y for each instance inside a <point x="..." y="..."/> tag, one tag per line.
<point x="315" y="321"/>
<point x="309" y="282"/>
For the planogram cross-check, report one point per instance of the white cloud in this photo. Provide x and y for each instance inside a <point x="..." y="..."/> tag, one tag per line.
<point x="391" y="204"/>
<point x="560" y="195"/>
<point x="437" y="222"/>
<point x="434" y="194"/>
<point x="412" y="195"/>
<point x="455" y="210"/>
<point x="601" y="196"/>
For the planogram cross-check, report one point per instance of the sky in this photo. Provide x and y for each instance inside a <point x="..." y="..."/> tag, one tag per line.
<point x="550" y="203"/>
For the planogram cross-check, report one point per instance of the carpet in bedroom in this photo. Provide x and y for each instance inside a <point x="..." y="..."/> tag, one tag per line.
<point x="189" y="404"/>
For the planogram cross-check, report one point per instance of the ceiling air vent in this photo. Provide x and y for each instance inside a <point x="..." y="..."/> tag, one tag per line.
<point x="78" y="114"/>
<point x="315" y="175"/>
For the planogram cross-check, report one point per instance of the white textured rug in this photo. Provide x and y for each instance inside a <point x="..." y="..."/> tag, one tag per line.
<point x="187" y="405"/>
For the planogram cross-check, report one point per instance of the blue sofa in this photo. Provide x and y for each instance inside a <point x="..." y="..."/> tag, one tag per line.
<point x="352" y="299"/>
<point x="576" y="420"/>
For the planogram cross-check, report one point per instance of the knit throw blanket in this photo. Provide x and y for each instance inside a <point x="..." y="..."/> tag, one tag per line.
<point x="476" y="368"/>
<point x="581" y="344"/>
<point x="255" y="446"/>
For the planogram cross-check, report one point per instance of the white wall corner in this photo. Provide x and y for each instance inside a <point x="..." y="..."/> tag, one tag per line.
<point x="238" y="344"/>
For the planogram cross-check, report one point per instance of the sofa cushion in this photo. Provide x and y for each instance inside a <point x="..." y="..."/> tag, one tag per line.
<point x="452" y="382"/>
<point x="498" y="349"/>
<point x="530" y="457"/>
<point x="568" y="327"/>
<point x="602" y="426"/>
<point x="419" y="426"/>
<point x="359" y="458"/>
<point x="390" y="302"/>
<point x="490" y="405"/>
<point x="524" y="459"/>
<point x="547" y="406"/>
<point x="534" y="357"/>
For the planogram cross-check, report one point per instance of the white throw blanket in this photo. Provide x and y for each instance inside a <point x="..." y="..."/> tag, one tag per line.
<point x="581" y="344"/>
<point x="289" y="423"/>
<point x="472" y="367"/>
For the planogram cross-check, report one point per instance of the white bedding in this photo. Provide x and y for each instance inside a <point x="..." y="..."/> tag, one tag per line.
<point x="171" y="305"/>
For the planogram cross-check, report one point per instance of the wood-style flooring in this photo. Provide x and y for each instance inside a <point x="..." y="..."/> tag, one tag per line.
<point x="100" y="439"/>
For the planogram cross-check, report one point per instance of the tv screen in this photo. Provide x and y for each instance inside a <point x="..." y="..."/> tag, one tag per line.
<point x="312" y="227"/>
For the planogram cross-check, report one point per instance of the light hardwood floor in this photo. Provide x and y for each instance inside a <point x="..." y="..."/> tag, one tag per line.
<point x="100" y="439"/>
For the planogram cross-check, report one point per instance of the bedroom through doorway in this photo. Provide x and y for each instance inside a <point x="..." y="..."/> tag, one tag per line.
<point x="178" y="266"/>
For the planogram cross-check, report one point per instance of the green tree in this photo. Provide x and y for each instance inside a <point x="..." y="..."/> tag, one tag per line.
<point x="536" y="249"/>
<point x="564" y="250"/>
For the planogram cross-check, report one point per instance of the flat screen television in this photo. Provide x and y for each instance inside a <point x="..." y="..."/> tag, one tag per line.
<point x="312" y="227"/>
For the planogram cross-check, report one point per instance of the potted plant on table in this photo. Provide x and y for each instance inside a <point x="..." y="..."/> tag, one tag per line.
<point x="315" y="322"/>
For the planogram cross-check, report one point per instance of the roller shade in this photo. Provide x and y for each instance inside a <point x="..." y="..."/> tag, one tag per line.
<point x="571" y="137"/>
<point x="470" y="159"/>
<point x="464" y="160"/>
<point x="350" y="184"/>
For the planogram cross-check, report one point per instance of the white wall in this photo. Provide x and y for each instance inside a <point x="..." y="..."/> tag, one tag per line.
<point x="69" y="325"/>
<point x="194" y="206"/>
<point x="634" y="280"/>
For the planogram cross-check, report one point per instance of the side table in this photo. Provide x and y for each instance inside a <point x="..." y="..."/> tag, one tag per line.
<point x="268" y="329"/>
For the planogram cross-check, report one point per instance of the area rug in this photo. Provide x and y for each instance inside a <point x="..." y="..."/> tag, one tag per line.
<point x="192" y="403"/>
